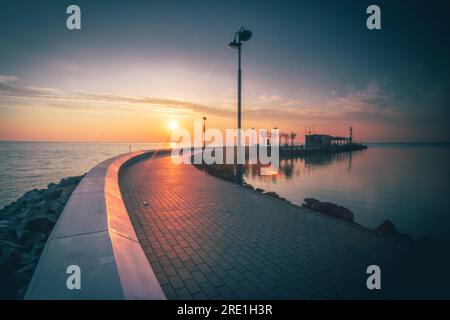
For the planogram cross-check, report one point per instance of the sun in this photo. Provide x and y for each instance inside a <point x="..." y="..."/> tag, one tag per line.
<point x="173" y="125"/>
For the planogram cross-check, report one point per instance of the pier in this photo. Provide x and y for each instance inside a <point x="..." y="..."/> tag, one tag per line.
<point x="301" y="150"/>
<point x="320" y="143"/>
<point x="206" y="238"/>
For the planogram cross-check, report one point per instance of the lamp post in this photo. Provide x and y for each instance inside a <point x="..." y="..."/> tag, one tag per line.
<point x="241" y="36"/>
<point x="204" y="128"/>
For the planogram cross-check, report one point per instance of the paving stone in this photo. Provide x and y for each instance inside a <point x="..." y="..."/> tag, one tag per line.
<point x="184" y="274"/>
<point x="168" y="290"/>
<point x="209" y="290"/>
<point x="214" y="279"/>
<point x="199" y="277"/>
<point x="176" y="282"/>
<point x="184" y="294"/>
<point x="192" y="286"/>
<point x="200" y="296"/>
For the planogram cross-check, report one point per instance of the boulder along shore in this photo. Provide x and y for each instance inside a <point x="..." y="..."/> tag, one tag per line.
<point x="25" y="225"/>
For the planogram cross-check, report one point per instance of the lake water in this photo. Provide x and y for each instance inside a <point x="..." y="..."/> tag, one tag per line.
<point x="28" y="165"/>
<point x="407" y="184"/>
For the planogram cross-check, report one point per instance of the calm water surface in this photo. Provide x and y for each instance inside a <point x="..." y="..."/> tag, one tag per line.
<point x="407" y="184"/>
<point x="28" y="165"/>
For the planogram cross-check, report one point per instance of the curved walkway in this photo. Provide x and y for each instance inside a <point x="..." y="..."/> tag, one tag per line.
<point x="208" y="238"/>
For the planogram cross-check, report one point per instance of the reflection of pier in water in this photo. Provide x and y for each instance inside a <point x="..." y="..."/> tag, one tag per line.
<point x="325" y="159"/>
<point x="290" y="166"/>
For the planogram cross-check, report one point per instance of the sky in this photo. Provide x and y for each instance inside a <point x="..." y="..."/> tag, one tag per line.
<point x="137" y="66"/>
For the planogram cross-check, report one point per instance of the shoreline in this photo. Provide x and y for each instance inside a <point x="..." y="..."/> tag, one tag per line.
<point x="25" y="225"/>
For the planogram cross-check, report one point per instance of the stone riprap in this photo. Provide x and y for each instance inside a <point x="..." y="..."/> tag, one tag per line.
<point x="24" y="228"/>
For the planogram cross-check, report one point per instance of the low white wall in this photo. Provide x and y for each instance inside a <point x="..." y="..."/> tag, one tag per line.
<point x="95" y="233"/>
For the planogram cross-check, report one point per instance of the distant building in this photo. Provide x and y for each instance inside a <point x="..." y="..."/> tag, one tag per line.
<point x="318" y="141"/>
<point x="327" y="142"/>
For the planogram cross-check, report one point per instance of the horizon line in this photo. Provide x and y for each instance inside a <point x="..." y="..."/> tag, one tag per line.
<point x="159" y="142"/>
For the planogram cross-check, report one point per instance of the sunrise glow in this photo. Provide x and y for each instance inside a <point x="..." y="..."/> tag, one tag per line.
<point x="173" y="125"/>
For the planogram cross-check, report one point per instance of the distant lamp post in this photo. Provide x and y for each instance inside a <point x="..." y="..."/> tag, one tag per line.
<point x="204" y="129"/>
<point x="241" y="36"/>
<point x="293" y="136"/>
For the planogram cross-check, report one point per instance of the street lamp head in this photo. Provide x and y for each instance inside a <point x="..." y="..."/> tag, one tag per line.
<point x="234" y="44"/>
<point x="244" y="34"/>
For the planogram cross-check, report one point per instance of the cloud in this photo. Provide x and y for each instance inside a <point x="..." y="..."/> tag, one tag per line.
<point x="367" y="103"/>
<point x="8" y="90"/>
<point x="269" y="98"/>
<point x="370" y="101"/>
<point x="95" y="102"/>
<point x="4" y="78"/>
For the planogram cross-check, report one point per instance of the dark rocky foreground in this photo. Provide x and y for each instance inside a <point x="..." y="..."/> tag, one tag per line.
<point x="24" y="228"/>
<point x="329" y="208"/>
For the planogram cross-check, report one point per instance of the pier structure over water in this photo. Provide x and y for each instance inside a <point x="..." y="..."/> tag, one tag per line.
<point x="322" y="143"/>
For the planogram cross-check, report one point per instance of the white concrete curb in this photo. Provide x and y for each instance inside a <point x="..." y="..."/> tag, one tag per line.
<point x="95" y="233"/>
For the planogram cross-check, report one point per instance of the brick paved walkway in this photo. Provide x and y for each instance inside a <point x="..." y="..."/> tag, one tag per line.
<point x="210" y="239"/>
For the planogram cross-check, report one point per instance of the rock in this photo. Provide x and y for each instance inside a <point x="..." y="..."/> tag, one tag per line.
<point x="33" y="238"/>
<point x="36" y="250"/>
<point x="309" y="202"/>
<point x="6" y="223"/>
<point x="272" y="194"/>
<point x="39" y="224"/>
<point x="13" y="220"/>
<point x="38" y="205"/>
<point x="23" y="215"/>
<point x="387" y="227"/>
<point x="10" y="257"/>
<point x="24" y="228"/>
<point x="7" y="231"/>
<point x="11" y="210"/>
<point x="28" y="258"/>
<point x="20" y="292"/>
<point x="52" y="216"/>
<point x="23" y="236"/>
<point x="259" y="190"/>
<point x="329" y="208"/>
<point x="52" y="186"/>
<point x="53" y="194"/>
<point x="23" y="275"/>
<point x="8" y="245"/>
<point x="324" y="207"/>
<point x="32" y="196"/>
<point x="70" y="181"/>
<point x="342" y="213"/>
<point x="67" y="191"/>
<point x="55" y="207"/>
